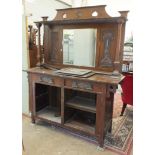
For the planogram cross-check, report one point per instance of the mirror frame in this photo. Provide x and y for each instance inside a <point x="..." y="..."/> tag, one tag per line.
<point x="82" y="18"/>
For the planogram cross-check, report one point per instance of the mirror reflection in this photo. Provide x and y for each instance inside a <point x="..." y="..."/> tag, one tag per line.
<point x="79" y="47"/>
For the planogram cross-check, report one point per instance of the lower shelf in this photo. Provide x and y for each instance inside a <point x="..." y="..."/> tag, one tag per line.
<point x="49" y="114"/>
<point x="80" y="125"/>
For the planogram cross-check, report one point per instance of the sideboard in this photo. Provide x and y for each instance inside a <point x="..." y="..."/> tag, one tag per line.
<point x="66" y="89"/>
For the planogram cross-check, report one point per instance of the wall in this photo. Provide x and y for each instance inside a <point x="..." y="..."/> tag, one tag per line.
<point x="34" y="10"/>
<point x="38" y="8"/>
<point x="112" y="8"/>
<point x="24" y="66"/>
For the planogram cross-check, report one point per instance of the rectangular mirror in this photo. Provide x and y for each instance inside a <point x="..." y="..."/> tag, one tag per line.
<point x="79" y="47"/>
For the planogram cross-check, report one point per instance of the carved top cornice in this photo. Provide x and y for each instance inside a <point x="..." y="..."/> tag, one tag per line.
<point x="85" y="15"/>
<point x="89" y="12"/>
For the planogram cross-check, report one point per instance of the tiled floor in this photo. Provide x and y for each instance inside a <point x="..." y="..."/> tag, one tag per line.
<point x="41" y="140"/>
<point x="45" y="140"/>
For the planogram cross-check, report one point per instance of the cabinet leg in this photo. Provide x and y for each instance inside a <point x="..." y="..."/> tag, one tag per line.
<point x="33" y="120"/>
<point x="101" y="142"/>
<point x="110" y="128"/>
<point x="123" y="109"/>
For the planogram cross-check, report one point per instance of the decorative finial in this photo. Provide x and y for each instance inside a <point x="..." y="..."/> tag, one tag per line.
<point x="124" y="13"/>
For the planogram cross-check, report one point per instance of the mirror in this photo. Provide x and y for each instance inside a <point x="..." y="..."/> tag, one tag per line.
<point x="79" y="47"/>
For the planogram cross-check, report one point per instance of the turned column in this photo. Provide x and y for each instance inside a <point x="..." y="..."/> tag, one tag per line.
<point x="39" y="47"/>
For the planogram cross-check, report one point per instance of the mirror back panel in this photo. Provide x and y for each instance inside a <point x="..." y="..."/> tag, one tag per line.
<point x="95" y="43"/>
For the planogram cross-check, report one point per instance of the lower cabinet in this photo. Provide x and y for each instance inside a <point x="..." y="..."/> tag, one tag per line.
<point x="78" y="109"/>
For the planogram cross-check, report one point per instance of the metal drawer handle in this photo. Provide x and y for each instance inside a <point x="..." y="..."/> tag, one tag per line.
<point x="82" y="85"/>
<point x="46" y="79"/>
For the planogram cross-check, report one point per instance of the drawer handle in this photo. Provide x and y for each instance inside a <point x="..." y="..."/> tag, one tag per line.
<point x="46" y="79"/>
<point x="82" y="85"/>
<point x="112" y="89"/>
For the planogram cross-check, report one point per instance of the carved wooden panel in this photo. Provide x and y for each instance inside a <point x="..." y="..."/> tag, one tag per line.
<point x="106" y="59"/>
<point x="56" y="47"/>
<point x="106" y="47"/>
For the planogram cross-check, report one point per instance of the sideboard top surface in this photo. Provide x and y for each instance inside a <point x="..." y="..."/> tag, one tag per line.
<point x="98" y="77"/>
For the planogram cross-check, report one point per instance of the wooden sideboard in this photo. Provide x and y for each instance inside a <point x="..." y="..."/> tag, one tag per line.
<point x="80" y="103"/>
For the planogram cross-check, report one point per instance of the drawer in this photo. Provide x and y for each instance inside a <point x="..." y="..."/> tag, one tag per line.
<point x="83" y="85"/>
<point x="46" y="79"/>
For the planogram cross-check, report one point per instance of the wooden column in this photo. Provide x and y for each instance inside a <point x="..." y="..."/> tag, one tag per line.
<point x="119" y="48"/>
<point x="38" y="47"/>
<point x="42" y="51"/>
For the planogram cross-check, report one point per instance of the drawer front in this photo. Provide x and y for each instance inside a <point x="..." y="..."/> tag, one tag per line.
<point x="49" y="80"/>
<point x="83" y="85"/>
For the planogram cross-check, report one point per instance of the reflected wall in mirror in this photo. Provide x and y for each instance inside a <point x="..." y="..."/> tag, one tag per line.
<point x="79" y="47"/>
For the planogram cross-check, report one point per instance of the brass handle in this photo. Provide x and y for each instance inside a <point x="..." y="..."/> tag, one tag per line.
<point x="46" y="79"/>
<point x="82" y="85"/>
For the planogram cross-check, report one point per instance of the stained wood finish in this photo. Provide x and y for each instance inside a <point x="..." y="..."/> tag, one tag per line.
<point x="82" y="18"/>
<point x="100" y="117"/>
<point x="79" y="99"/>
<point x="83" y="105"/>
<point x="97" y="78"/>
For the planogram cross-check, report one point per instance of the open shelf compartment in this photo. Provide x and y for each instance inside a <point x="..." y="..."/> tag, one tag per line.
<point x="83" y="101"/>
<point x="80" y="120"/>
<point x="48" y="103"/>
<point x="49" y="114"/>
<point x="80" y="110"/>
